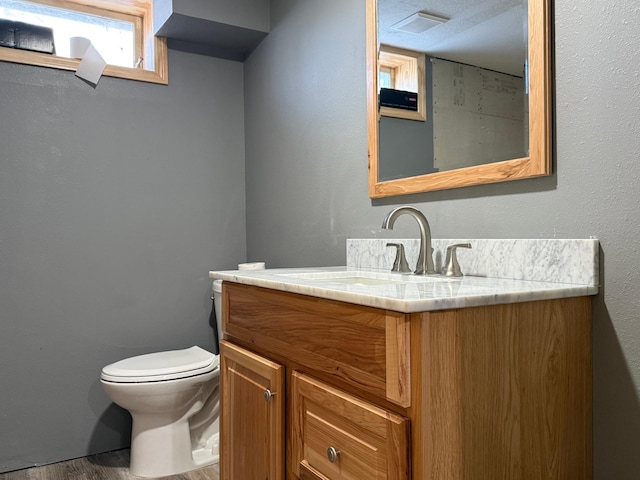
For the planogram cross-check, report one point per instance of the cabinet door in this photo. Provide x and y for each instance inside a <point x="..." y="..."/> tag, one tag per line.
<point x="252" y="416"/>
<point x="340" y="437"/>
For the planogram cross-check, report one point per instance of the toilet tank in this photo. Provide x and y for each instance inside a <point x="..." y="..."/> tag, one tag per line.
<point x="217" y="301"/>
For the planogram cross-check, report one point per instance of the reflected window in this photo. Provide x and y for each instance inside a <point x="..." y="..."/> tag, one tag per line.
<point x="386" y="78"/>
<point x="401" y="83"/>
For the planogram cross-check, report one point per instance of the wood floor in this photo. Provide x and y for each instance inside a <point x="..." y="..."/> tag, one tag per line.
<point x="105" y="466"/>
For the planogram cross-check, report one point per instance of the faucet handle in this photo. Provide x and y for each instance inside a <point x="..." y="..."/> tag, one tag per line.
<point x="400" y="263"/>
<point x="452" y="267"/>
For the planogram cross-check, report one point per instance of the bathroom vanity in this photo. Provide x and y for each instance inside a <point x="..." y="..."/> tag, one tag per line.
<point x="352" y="373"/>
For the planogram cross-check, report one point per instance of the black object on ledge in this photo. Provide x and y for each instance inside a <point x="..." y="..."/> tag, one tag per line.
<point x="25" y="36"/>
<point x="390" y="97"/>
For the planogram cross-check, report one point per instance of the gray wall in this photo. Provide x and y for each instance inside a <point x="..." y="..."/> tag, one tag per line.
<point x="252" y="14"/>
<point x="114" y="204"/>
<point x="306" y="163"/>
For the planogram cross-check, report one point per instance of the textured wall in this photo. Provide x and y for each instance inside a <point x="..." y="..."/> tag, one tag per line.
<point x="306" y="162"/>
<point x="253" y="14"/>
<point x="114" y="204"/>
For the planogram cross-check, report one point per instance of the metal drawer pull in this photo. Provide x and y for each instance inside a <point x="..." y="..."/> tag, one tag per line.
<point x="268" y="395"/>
<point x="332" y="454"/>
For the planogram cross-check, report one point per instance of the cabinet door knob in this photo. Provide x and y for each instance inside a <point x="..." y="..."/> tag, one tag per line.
<point x="332" y="454"/>
<point x="268" y="395"/>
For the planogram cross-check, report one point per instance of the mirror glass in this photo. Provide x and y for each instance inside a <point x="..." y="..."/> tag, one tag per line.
<point x="473" y="109"/>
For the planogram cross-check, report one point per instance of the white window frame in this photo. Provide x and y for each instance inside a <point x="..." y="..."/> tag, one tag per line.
<point x="153" y="49"/>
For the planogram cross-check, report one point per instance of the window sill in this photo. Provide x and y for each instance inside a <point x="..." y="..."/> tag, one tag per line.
<point x="159" y="75"/>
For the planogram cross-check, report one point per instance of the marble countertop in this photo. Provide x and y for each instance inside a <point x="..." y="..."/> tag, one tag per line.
<point x="403" y="293"/>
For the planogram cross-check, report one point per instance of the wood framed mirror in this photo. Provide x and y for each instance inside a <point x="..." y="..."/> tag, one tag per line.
<point x="533" y="159"/>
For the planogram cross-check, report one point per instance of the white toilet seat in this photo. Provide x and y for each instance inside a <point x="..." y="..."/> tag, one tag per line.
<point x="161" y="366"/>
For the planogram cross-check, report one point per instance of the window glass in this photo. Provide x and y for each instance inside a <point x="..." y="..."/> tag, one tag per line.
<point x="113" y="38"/>
<point x="385" y="79"/>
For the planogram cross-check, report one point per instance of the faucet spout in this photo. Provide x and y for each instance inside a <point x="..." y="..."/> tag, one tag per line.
<point x="425" y="259"/>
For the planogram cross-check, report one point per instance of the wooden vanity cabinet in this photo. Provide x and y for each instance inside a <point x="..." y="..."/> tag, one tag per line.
<point x="501" y="391"/>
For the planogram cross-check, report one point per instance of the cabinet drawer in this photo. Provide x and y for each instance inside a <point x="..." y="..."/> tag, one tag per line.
<point x="366" y="347"/>
<point x="337" y="436"/>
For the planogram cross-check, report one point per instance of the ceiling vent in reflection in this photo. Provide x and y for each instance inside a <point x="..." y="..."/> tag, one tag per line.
<point x="419" y="22"/>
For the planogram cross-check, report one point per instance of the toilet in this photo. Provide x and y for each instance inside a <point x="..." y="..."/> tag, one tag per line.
<point x="174" y="401"/>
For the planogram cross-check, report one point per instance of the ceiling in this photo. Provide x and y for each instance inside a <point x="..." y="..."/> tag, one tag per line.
<point x="485" y="33"/>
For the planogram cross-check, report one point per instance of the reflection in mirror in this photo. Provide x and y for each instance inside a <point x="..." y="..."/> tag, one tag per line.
<point x="483" y="122"/>
<point x="402" y="86"/>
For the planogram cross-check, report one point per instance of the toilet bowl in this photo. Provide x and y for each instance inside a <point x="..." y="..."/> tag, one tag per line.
<point x="174" y="401"/>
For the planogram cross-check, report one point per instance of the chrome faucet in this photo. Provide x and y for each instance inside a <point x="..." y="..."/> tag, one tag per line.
<point x="425" y="259"/>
